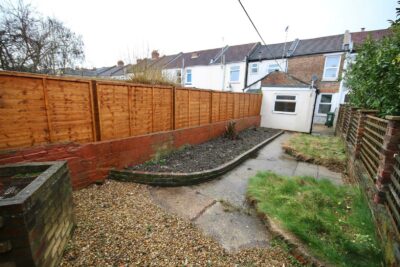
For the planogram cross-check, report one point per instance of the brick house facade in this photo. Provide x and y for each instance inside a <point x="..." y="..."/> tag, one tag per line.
<point x="322" y="59"/>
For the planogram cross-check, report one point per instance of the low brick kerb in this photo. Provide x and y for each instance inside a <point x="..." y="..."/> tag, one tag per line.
<point x="180" y="179"/>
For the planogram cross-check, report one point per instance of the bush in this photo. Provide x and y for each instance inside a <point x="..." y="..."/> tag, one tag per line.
<point x="151" y="76"/>
<point x="374" y="78"/>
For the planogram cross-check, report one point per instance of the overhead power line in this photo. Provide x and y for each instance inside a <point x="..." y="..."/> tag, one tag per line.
<point x="259" y="34"/>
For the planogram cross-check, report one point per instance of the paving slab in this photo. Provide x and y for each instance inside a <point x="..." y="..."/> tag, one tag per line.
<point x="233" y="229"/>
<point x="306" y="169"/>
<point x="182" y="201"/>
<point x="334" y="177"/>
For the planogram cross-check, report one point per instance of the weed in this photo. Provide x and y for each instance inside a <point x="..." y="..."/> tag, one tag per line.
<point x="230" y="131"/>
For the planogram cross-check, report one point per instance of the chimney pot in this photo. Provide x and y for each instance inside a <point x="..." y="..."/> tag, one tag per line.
<point x="120" y="63"/>
<point x="362" y="29"/>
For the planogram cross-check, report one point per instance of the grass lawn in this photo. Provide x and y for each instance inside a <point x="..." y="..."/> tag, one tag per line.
<point x="325" y="150"/>
<point x="333" y="221"/>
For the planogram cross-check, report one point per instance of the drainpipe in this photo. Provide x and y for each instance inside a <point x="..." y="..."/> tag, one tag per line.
<point x="246" y="73"/>
<point x="315" y="104"/>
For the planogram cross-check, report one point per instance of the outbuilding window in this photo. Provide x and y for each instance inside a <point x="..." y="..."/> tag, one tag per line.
<point x="234" y="73"/>
<point x="285" y="103"/>
<point x="331" y="69"/>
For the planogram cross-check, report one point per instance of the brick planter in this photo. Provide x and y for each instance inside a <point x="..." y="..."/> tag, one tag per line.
<point x="36" y="222"/>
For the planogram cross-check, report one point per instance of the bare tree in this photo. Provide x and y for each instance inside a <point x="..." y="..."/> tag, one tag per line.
<point x="30" y="42"/>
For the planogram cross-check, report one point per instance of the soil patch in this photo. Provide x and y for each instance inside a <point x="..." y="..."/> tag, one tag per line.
<point x="208" y="155"/>
<point x="12" y="185"/>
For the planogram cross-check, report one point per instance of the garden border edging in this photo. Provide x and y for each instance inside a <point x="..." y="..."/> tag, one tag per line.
<point x="180" y="179"/>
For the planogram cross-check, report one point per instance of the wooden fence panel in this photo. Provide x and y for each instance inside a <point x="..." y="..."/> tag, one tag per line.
<point x="371" y="144"/>
<point x="242" y="105"/>
<point x="236" y="106"/>
<point x="162" y="109"/>
<point x="215" y="107"/>
<point x="205" y="107"/>
<point x="23" y="119"/>
<point x="113" y="103"/>
<point x="223" y="106"/>
<point x="38" y="109"/>
<point x="194" y="107"/>
<point x="182" y="108"/>
<point x="141" y="110"/>
<point x="70" y="111"/>
<point x="230" y="106"/>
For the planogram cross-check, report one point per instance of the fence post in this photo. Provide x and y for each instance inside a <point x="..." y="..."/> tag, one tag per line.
<point x="351" y="115"/>
<point x="387" y="160"/>
<point x="360" y="129"/>
<point x="339" y="119"/>
<point x="173" y="111"/>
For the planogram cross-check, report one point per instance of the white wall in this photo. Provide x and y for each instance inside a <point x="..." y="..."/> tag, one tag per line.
<point x="216" y="77"/>
<point x="299" y="121"/>
<point x="263" y="70"/>
<point x="234" y="86"/>
<point x="205" y="77"/>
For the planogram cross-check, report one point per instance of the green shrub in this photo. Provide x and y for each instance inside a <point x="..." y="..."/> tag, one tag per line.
<point x="374" y="79"/>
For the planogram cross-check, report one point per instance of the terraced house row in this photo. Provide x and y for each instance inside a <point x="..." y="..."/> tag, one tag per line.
<point x="317" y="62"/>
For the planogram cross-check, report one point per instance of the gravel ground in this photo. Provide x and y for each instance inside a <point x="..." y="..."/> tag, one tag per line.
<point x="119" y="225"/>
<point x="207" y="155"/>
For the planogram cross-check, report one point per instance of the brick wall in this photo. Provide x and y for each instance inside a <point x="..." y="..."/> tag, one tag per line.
<point x="92" y="161"/>
<point x="303" y="67"/>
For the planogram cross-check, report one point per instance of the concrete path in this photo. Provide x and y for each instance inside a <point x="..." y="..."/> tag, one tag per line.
<point x="219" y="207"/>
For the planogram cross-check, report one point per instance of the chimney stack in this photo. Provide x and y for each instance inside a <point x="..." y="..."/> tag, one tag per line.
<point x="155" y="54"/>
<point x="347" y="40"/>
<point x="363" y="29"/>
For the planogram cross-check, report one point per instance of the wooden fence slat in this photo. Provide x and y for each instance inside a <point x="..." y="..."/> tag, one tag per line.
<point x="47" y="108"/>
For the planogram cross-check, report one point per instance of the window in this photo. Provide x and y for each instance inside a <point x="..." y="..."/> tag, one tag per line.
<point x="272" y="67"/>
<point x="254" y="68"/>
<point x="178" y="76"/>
<point x="235" y="71"/>
<point x="325" y="104"/>
<point x="188" y="76"/>
<point x="285" y="103"/>
<point x="331" y="69"/>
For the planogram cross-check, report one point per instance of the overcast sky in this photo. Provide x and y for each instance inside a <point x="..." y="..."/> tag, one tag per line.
<point x="125" y="29"/>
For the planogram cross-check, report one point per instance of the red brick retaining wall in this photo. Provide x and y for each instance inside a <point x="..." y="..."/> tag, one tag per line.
<point x="91" y="162"/>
